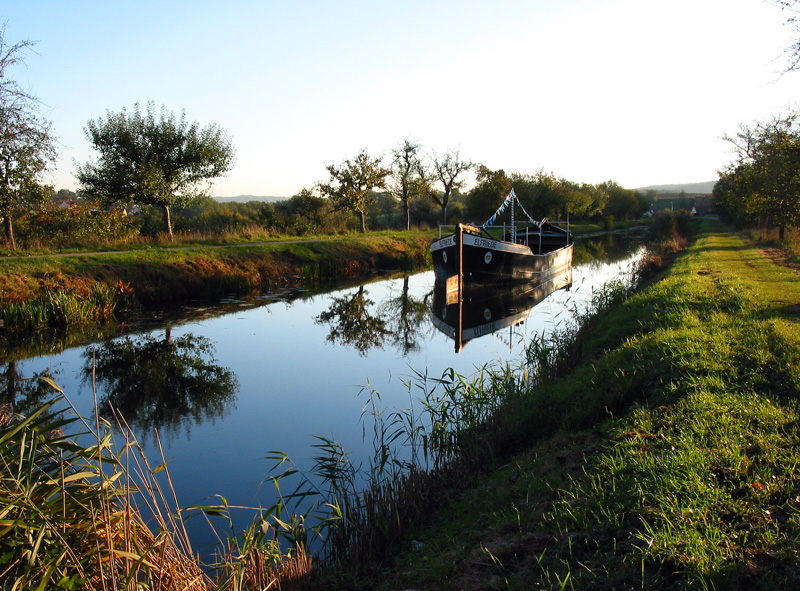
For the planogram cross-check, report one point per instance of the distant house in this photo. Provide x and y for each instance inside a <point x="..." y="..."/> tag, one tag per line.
<point x="134" y="209"/>
<point x="68" y="204"/>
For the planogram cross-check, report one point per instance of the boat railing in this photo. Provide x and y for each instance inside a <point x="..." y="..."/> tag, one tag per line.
<point x="505" y="227"/>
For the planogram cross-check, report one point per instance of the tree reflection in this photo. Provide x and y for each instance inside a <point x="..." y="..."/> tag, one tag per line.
<point x="23" y="394"/>
<point x="397" y="319"/>
<point x="161" y="383"/>
<point x="352" y="324"/>
<point x="406" y="316"/>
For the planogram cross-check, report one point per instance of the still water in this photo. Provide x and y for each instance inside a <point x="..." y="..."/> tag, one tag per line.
<point x="223" y="389"/>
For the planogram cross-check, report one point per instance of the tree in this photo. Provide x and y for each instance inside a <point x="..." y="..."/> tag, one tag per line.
<point x="408" y="176"/>
<point x="622" y="203"/>
<point x="448" y="170"/>
<point x="351" y="182"/>
<point x="763" y="183"/>
<point x="153" y="159"/>
<point x="484" y="199"/>
<point x="27" y="146"/>
<point x="792" y="52"/>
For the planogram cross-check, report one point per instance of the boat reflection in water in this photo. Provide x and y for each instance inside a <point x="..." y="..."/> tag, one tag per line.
<point x="468" y="311"/>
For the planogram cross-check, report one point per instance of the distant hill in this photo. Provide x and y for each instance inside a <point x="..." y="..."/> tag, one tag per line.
<point x="696" y="188"/>
<point x="246" y="198"/>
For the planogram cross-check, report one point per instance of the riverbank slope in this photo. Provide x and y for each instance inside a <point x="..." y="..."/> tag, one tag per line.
<point x="88" y="288"/>
<point x="666" y="459"/>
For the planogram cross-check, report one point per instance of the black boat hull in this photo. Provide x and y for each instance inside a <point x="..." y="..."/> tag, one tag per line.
<point x="480" y="259"/>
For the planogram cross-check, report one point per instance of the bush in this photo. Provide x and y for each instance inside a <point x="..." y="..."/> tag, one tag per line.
<point x="82" y="224"/>
<point x="669" y="225"/>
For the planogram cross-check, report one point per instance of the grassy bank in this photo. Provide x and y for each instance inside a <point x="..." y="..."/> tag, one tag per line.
<point x="665" y="460"/>
<point x="79" y="289"/>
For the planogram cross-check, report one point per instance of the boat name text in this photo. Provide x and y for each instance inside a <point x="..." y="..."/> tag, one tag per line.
<point x="485" y="243"/>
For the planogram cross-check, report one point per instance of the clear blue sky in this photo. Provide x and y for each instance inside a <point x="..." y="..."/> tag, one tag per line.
<point x="636" y="91"/>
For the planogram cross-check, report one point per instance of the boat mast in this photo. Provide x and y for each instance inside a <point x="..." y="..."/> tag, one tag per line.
<point x="513" y="226"/>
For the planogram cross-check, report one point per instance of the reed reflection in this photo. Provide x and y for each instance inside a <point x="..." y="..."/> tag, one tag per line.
<point x="162" y="383"/>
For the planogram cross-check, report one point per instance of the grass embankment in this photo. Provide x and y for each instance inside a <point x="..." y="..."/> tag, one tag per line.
<point x="71" y="290"/>
<point x="667" y="459"/>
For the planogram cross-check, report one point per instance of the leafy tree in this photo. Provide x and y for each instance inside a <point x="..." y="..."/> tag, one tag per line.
<point x="153" y="159"/>
<point x="351" y="182"/>
<point x="81" y="224"/>
<point x="622" y="203"/>
<point x="595" y="201"/>
<point x="484" y="199"/>
<point x="27" y="146"/>
<point x="384" y="211"/>
<point x="645" y="200"/>
<point x="425" y="213"/>
<point x="448" y="170"/>
<point x="409" y="177"/>
<point x="543" y="194"/>
<point x="310" y="208"/>
<point x="763" y="183"/>
<point x="305" y="213"/>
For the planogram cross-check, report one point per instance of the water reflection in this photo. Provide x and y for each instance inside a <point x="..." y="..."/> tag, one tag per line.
<point x="398" y="321"/>
<point x="352" y="324"/>
<point x="406" y="319"/>
<point x="161" y="383"/>
<point x="486" y="309"/>
<point x="22" y="394"/>
<point x="607" y="248"/>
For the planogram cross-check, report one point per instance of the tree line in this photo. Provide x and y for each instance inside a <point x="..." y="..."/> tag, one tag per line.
<point x="164" y="162"/>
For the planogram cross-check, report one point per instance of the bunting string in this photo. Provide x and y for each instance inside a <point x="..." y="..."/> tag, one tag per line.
<point x="502" y="208"/>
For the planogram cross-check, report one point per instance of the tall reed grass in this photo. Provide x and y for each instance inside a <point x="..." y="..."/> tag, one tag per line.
<point x="72" y="513"/>
<point x="59" y="309"/>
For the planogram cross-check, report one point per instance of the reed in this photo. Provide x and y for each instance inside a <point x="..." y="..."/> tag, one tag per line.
<point x="666" y="459"/>
<point x="68" y="518"/>
<point x="71" y="515"/>
<point x="455" y="428"/>
<point x="61" y="309"/>
<point x="40" y="292"/>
